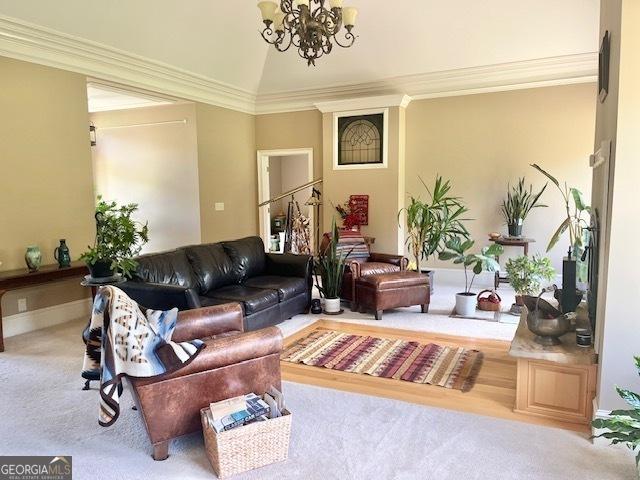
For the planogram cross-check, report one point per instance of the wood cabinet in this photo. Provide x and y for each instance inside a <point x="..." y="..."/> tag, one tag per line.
<point x="556" y="381"/>
<point x="561" y="391"/>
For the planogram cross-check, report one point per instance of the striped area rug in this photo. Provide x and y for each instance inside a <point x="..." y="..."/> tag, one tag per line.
<point x="448" y="367"/>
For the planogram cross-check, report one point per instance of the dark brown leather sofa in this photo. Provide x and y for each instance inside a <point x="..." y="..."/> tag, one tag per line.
<point x="232" y="363"/>
<point x="270" y="287"/>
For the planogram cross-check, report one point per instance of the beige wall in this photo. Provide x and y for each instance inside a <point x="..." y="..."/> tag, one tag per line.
<point x="618" y="120"/>
<point x="292" y="130"/>
<point x="381" y="184"/>
<point x="140" y="158"/>
<point x="228" y="173"/>
<point x="483" y="142"/>
<point x="46" y="182"/>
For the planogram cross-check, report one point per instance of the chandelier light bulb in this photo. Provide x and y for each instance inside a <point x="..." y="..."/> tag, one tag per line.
<point x="268" y="10"/>
<point x="349" y="15"/>
<point x="335" y="3"/>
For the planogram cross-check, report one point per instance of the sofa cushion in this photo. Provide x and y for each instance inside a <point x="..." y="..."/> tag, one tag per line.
<point x="167" y="267"/>
<point x="287" y="287"/>
<point x="211" y="265"/>
<point x="252" y="299"/>
<point x="247" y="255"/>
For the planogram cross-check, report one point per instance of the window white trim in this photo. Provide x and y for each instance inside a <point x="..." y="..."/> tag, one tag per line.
<point x="385" y="139"/>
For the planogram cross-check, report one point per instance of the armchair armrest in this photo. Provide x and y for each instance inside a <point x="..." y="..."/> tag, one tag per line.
<point x="161" y="296"/>
<point x="289" y="265"/>
<point x="397" y="260"/>
<point x="208" y="321"/>
<point x="224" y="351"/>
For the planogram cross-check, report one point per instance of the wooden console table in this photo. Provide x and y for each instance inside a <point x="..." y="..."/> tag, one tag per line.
<point x="554" y="381"/>
<point x="22" y="278"/>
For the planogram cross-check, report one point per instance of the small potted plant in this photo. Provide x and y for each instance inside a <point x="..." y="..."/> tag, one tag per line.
<point x="518" y="204"/>
<point x="430" y="224"/>
<point x="350" y="215"/>
<point x="479" y="262"/>
<point x="526" y="275"/>
<point x="119" y="238"/>
<point x="330" y="267"/>
<point x="623" y="426"/>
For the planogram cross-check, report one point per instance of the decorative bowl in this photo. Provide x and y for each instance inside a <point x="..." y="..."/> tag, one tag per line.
<point x="494" y="236"/>
<point x="545" y="321"/>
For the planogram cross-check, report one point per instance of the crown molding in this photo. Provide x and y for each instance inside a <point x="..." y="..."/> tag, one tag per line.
<point x="363" y="103"/>
<point x="563" y="70"/>
<point x="34" y="43"/>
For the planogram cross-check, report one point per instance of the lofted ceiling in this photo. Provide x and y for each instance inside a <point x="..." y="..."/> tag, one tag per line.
<point x="218" y="41"/>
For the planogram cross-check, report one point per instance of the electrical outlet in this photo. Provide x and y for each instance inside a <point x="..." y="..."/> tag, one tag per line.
<point x="219" y="206"/>
<point x="22" y="305"/>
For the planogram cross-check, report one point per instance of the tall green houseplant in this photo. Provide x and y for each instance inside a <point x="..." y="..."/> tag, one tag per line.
<point x="432" y="223"/>
<point x="119" y="238"/>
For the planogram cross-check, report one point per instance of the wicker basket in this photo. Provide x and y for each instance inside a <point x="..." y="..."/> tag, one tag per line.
<point x="250" y="446"/>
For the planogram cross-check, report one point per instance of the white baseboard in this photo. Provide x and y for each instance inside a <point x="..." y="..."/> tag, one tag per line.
<point x="45" y="317"/>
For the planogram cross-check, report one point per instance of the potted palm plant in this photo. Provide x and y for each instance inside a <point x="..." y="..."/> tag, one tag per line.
<point x="518" y="204"/>
<point x="431" y="224"/>
<point x="330" y="267"/>
<point x="119" y="238"/>
<point x="526" y="275"/>
<point x="456" y="250"/>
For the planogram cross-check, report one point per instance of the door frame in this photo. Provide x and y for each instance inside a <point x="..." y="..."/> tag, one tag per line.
<point x="264" y="212"/>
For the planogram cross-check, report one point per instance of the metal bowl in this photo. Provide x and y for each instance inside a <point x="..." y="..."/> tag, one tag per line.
<point x="545" y="321"/>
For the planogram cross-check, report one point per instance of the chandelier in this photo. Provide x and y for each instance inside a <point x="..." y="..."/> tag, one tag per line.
<point x="308" y="25"/>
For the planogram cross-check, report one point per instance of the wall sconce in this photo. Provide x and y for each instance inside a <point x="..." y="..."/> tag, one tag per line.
<point x="92" y="135"/>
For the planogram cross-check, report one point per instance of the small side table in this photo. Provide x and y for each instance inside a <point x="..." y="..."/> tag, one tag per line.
<point x="510" y="242"/>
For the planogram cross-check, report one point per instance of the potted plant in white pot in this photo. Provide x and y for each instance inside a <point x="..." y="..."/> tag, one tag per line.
<point x="526" y="275"/>
<point x="518" y="204"/>
<point x="330" y="267"/>
<point x="478" y="262"/>
<point x="430" y="224"/>
<point x="119" y="238"/>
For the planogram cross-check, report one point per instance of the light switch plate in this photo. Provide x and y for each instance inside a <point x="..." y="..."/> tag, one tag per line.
<point x="219" y="206"/>
<point x="22" y="305"/>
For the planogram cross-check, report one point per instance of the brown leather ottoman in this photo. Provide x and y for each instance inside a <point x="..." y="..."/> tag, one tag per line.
<point x="391" y="290"/>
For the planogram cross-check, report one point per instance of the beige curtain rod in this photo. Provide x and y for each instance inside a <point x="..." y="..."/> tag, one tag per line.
<point x="290" y="192"/>
<point x="151" y="124"/>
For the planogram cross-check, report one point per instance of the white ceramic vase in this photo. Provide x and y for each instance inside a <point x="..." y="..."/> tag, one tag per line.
<point x="465" y="304"/>
<point x="332" y="305"/>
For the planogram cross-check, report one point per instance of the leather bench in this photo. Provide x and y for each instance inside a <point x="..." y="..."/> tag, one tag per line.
<point x="383" y="291"/>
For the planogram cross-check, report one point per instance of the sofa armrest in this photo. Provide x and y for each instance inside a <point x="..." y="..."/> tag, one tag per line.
<point x="289" y="265"/>
<point x="208" y="321"/>
<point x="397" y="260"/>
<point x="161" y="296"/>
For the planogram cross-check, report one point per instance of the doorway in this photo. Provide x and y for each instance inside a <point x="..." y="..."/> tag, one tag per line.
<point x="278" y="172"/>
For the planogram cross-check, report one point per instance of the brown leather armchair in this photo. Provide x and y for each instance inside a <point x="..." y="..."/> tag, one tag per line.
<point x="376" y="263"/>
<point x="232" y="363"/>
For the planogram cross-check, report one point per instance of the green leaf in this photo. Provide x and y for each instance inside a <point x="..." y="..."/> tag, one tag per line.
<point x="546" y="174"/>
<point x="558" y="233"/>
<point x="577" y="199"/>
<point x="630" y="397"/>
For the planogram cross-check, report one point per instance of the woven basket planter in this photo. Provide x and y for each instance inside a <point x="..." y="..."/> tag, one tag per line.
<point x="247" y="447"/>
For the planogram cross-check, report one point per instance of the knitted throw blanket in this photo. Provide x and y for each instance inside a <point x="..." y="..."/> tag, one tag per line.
<point x="127" y="340"/>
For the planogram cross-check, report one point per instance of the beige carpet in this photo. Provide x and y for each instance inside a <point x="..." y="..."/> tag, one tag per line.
<point x="335" y="435"/>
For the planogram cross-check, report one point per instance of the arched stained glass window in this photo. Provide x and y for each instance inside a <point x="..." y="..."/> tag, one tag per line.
<point x="360" y="139"/>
